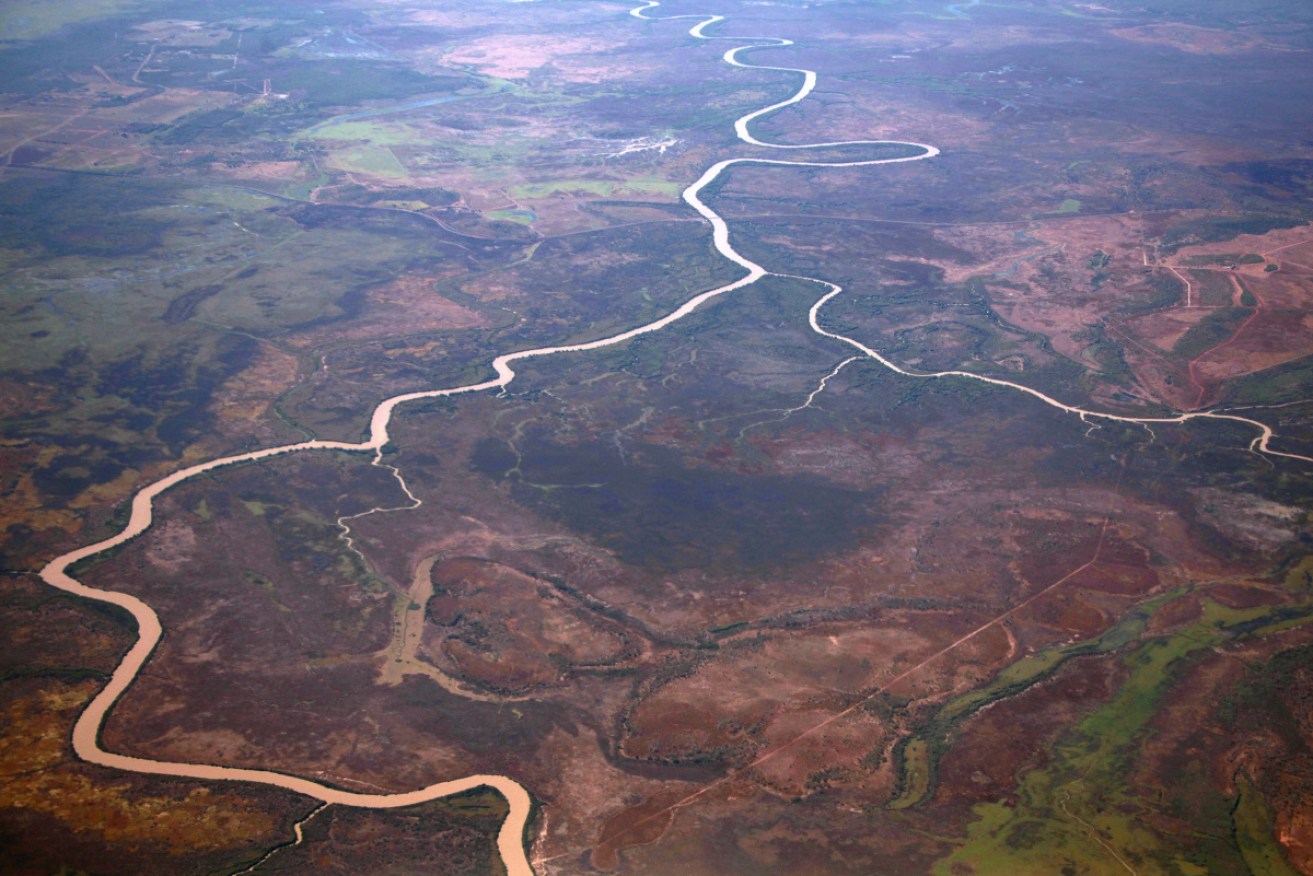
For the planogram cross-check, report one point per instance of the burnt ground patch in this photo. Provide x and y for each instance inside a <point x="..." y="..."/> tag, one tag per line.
<point x="181" y="308"/>
<point x="658" y="511"/>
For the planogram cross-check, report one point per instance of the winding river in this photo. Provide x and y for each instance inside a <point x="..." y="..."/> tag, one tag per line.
<point x="510" y="840"/>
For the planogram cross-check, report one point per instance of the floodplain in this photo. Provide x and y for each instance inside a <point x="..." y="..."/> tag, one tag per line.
<point x="728" y="597"/>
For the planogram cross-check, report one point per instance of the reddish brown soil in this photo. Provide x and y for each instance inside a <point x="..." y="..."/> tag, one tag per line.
<point x="496" y="626"/>
<point x="999" y="743"/>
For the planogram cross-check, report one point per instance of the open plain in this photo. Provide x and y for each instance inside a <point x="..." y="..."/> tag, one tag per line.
<point x="586" y="437"/>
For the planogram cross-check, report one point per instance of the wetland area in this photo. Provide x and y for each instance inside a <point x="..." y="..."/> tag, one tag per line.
<point x="589" y="437"/>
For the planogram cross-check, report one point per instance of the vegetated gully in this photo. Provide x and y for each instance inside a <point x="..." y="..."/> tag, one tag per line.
<point x="510" y="839"/>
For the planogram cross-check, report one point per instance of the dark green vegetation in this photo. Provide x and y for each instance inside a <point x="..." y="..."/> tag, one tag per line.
<point x="921" y="754"/>
<point x="1211" y="229"/>
<point x="178" y="291"/>
<point x="1286" y="383"/>
<point x="1212" y="330"/>
<point x="457" y="831"/>
<point x="1088" y="772"/>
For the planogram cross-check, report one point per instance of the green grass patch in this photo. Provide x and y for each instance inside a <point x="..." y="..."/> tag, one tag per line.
<point x="915" y="774"/>
<point x="1213" y="287"/>
<point x="1070" y="205"/>
<point x="377" y="133"/>
<point x="1199" y="261"/>
<point x="1300" y="576"/>
<point x="1085" y="779"/>
<point x="523" y="217"/>
<point x="1225" y="259"/>
<point x="370" y="158"/>
<point x="302" y="191"/>
<point x="1253" y="833"/>
<point x="597" y="187"/>
<point x="1012" y="680"/>
<point x="33" y="19"/>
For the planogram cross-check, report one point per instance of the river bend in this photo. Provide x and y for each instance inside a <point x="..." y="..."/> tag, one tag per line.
<point x="511" y="837"/>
